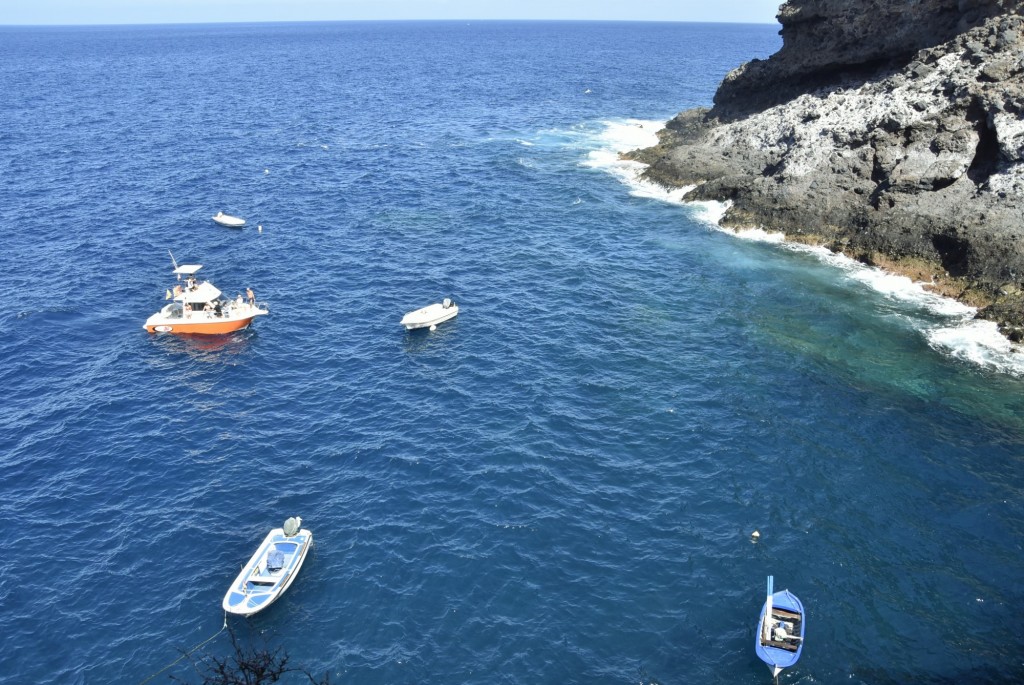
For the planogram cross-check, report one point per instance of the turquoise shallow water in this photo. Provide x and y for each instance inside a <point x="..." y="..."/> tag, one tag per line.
<point x="557" y="486"/>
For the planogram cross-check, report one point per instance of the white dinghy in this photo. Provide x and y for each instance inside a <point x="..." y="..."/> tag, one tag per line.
<point x="270" y="570"/>
<point x="431" y="315"/>
<point x="228" y="220"/>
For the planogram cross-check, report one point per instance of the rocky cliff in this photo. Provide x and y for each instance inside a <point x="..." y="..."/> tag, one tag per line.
<point x="890" y="130"/>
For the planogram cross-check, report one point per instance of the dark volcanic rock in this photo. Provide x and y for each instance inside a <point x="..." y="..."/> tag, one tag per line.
<point x="827" y="41"/>
<point x="891" y="131"/>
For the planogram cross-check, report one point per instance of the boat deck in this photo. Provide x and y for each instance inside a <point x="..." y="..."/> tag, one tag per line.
<point x="792" y="617"/>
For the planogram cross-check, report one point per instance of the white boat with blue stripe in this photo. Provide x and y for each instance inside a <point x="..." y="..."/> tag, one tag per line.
<point x="271" y="570"/>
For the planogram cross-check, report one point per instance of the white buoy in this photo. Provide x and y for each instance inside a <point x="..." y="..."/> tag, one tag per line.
<point x="266" y="171"/>
<point x="755" y="536"/>
<point x="259" y="228"/>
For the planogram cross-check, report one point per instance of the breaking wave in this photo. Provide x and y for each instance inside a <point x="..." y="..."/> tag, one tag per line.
<point x="957" y="332"/>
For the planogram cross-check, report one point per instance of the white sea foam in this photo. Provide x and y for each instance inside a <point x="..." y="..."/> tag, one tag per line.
<point x="654" y="191"/>
<point x="631" y="134"/>
<point x="622" y="136"/>
<point x="760" y="235"/>
<point x="978" y="342"/>
<point x="607" y="159"/>
<point x="890" y="285"/>
<point x="960" y="335"/>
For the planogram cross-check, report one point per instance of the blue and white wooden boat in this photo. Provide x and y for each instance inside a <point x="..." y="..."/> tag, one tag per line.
<point x="780" y="630"/>
<point x="270" y="570"/>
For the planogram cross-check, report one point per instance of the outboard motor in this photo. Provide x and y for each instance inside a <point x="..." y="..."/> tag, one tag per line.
<point x="446" y="303"/>
<point x="292" y="525"/>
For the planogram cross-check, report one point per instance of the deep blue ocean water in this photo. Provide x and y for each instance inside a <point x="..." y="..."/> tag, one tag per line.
<point x="560" y="485"/>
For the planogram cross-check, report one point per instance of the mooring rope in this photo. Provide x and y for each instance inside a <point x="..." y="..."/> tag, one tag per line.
<point x="189" y="652"/>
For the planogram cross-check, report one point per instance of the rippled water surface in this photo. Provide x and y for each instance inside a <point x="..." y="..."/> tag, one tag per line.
<point x="558" y="486"/>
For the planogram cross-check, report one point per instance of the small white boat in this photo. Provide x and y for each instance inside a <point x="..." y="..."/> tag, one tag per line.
<point x="270" y="570"/>
<point x="431" y="315"/>
<point x="228" y="220"/>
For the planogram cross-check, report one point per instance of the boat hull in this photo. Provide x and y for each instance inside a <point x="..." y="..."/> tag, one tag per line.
<point x="780" y="655"/>
<point x="213" y="328"/>
<point x="229" y="221"/>
<point x="201" y="323"/>
<point x="255" y="588"/>
<point x="429" y="316"/>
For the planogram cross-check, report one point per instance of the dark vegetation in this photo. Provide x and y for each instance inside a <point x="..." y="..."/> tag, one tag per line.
<point x="252" y="661"/>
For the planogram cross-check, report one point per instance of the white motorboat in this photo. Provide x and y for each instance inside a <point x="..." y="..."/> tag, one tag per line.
<point x="228" y="220"/>
<point x="199" y="307"/>
<point x="431" y="315"/>
<point x="270" y="570"/>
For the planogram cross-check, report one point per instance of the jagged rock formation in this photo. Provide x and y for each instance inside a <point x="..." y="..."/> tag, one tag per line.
<point x="891" y="130"/>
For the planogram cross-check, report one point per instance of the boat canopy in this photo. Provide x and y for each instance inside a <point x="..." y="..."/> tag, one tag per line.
<point x="204" y="292"/>
<point x="187" y="269"/>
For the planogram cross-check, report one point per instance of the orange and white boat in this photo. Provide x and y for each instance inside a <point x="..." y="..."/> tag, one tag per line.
<point x="198" y="307"/>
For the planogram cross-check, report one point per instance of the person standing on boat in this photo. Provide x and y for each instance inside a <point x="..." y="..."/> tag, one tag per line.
<point x="251" y="295"/>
